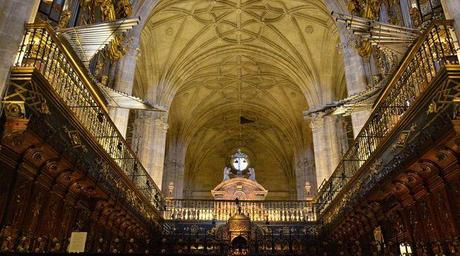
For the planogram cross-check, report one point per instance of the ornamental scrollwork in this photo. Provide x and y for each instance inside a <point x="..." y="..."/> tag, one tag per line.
<point x="117" y="47"/>
<point x="124" y="9"/>
<point x="105" y="11"/>
<point x="25" y="94"/>
<point x="446" y="95"/>
<point x="367" y="9"/>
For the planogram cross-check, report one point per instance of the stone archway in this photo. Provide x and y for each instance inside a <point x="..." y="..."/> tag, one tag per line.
<point x="213" y="62"/>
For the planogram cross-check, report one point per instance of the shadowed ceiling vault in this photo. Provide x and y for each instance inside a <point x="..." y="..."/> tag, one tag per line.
<point x="211" y="61"/>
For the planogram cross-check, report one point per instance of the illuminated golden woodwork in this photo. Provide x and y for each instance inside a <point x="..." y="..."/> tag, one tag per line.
<point x="241" y="188"/>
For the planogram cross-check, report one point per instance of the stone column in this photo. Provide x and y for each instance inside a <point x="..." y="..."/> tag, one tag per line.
<point x="175" y="166"/>
<point x="13" y="16"/>
<point x="405" y="8"/>
<point x="304" y="160"/>
<point x="452" y="11"/>
<point x="176" y="176"/>
<point x="305" y="172"/>
<point x="355" y="72"/>
<point x="329" y="144"/>
<point x="151" y="129"/>
<point x="126" y="68"/>
<point x="124" y="83"/>
<point x="355" y="76"/>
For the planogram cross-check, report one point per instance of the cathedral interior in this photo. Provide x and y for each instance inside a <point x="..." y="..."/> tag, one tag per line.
<point x="230" y="127"/>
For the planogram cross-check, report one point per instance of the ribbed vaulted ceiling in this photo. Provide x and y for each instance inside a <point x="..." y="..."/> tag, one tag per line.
<point x="212" y="61"/>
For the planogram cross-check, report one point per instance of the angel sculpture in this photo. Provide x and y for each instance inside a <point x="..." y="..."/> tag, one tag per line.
<point x="252" y="174"/>
<point x="227" y="171"/>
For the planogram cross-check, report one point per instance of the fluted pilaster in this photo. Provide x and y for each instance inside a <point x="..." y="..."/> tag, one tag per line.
<point x="452" y="11"/>
<point x="356" y="79"/>
<point x="124" y="83"/>
<point x="329" y="144"/>
<point x="13" y="15"/>
<point x="151" y="129"/>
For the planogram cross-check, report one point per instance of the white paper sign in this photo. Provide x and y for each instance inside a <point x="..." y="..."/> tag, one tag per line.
<point x="77" y="242"/>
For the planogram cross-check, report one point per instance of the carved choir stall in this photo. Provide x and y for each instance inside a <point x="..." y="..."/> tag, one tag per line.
<point x="66" y="171"/>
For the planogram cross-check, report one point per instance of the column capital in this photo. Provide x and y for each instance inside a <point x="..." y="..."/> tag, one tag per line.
<point x="155" y="118"/>
<point x="145" y="115"/>
<point x="318" y="121"/>
<point x="315" y="120"/>
<point x="314" y="112"/>
<point x="161" y="124"/>
<point x="174" y="163"/>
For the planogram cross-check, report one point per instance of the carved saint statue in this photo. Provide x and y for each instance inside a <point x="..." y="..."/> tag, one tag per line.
<point x="252" y="174"/>
<point x="170" y="189"/>
<point x="227" y="171"/>
<point x="65" y="18"/>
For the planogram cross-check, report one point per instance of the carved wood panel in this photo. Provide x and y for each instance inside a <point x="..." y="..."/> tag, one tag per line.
<point x="43" y="200"/>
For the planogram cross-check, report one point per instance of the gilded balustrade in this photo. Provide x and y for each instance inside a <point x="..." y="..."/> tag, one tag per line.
<point x="436" y="47"/>
<point x="44" y="50"/>
<point x="222" y="210"/>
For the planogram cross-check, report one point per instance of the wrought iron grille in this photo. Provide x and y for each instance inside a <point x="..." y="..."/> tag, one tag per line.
<point x="436" y="47"/>
<point x="43" y="50"/>
<point x="222" y="210"/>
<point x="204" y="238"/>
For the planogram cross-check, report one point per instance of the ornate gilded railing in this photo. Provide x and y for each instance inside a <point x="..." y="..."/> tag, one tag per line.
<point x="44" y="50"/>
<point x="436" y="47"/>
<point x="222" y="210"/>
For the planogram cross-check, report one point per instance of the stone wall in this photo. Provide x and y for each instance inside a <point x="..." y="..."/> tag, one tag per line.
<point x="13" y="15"/>
<point x="452" y="11"/>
